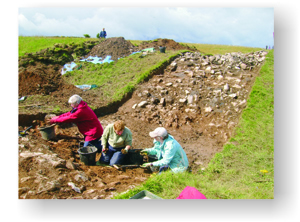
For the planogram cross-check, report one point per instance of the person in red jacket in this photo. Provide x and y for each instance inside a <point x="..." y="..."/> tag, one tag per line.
<point x="85" y="119"/>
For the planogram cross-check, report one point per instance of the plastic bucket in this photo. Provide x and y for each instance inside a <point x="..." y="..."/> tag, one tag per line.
<point x="152" y="158"/>
<point x="135" y="158"/>
<point x="162" y="49"/>
<point x="47" y="132"/>
<point x="88" y="155"/>
<point x="145" y="194"/>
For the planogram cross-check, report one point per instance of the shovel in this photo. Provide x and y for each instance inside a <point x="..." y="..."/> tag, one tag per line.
<point x="23" y="133"/>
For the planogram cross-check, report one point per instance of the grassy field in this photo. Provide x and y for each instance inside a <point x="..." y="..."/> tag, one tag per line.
<point x="30" y="44"/>
<point x="245" y="167"/>
<point x="221" y="49"/>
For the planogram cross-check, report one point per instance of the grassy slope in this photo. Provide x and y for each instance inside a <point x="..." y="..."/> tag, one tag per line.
<point x="238" y="171"/>
<point x="235" y="173"/>
<point x="118" y="78"/>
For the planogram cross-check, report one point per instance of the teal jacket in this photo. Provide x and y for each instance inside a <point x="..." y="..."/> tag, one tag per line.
<point x="169" y="153"/>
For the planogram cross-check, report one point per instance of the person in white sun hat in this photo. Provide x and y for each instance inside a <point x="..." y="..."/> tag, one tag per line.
<point x="168" y="151"/>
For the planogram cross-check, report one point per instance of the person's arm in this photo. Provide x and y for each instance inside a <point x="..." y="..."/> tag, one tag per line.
<point x="153" y="150"/>
<point x="128" y="140"/>
<point x="170" y="151"/>
<point x="67" y="118"/>
<point x="104" y="138"/>
<point x="65" y="114"/>
<point x="61" y="118"/>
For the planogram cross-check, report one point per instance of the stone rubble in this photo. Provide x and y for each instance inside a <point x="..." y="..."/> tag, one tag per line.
<point x="194" y="86"/>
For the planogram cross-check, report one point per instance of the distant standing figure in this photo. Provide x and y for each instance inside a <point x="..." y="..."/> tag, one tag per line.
<point x="162" y="49"/>
<point x="266" y="47"/>
<point x="103" y="33"/>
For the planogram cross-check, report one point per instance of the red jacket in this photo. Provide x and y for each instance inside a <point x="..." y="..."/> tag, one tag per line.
<point x="85" y="119"/>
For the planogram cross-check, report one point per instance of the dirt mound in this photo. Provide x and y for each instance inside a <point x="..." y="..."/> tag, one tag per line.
<point x="168" y="43"/>
<point x="41" y="79"/>
<point x="115" y="47"/>
<point x="119" y="47"/>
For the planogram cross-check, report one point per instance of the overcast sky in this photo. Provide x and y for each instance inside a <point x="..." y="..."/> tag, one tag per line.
<point x="241" y="26"/>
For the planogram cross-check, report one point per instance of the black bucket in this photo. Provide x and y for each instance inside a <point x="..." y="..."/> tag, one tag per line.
<point x="47" y="132"/>
<point x="162" y="49"/>
<point x="88" y="155"/>
<point x="133" y="157"/>
<point x="152" y="158"/>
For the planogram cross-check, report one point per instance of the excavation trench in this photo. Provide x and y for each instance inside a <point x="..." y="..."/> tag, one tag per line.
<point x="199" y="107"/>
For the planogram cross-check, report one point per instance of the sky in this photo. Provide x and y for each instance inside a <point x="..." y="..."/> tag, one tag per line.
<point x="239" y="26"/>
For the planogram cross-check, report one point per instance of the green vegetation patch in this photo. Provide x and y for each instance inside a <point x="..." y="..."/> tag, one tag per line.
<point x="32" y="44"/>
<point x="220" y="49"/>
<point x="118" y="78"/>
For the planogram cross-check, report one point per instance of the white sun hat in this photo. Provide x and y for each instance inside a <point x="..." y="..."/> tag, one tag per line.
<point x="159" y="131"/>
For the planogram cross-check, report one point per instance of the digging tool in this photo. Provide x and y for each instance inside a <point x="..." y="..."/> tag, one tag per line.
<point x="23" y="133"/>
<point x="121" y="167"/>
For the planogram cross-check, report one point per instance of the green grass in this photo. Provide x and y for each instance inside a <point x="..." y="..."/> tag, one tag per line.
<point x="136" y="42"/>
<point x="32" y="44"/>
<point x="235" y="172"/>
<point x="116" y="79"/>
<point x="221" y="49"/>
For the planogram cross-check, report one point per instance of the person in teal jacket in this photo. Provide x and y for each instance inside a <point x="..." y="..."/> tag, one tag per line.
<point x="168" y="151"/>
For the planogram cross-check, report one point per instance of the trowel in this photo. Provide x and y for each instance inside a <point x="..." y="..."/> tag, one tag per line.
<point x="23" y="133"/>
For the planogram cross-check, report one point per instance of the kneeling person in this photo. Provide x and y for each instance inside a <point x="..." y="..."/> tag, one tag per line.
<point x="168" y="152"/>
<point x="116" y="141"/>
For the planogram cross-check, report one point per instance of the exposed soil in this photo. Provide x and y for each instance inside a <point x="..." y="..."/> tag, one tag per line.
<point x="115" y="47"/>
<point x="168" y="43"/>
<point x="46" y="167"/>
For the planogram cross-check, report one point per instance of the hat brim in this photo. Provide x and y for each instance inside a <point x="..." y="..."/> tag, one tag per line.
<point x="152" y="134"/>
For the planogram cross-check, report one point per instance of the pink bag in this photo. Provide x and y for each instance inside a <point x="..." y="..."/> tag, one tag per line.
<point x="190" y="193"/>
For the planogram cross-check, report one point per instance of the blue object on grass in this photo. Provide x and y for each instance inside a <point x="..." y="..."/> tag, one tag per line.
<point x="97" y="60"/>
<point x="68" y="67"/>
<point x="86" y="87"/>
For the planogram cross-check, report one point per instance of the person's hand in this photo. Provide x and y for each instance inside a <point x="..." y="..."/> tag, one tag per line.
<point x="145" y="165"/>
<point x="52" y="120"/>
<point x="104" y="149"/>
<point x="124" y="151"/>
<point x="144" y="152"/>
